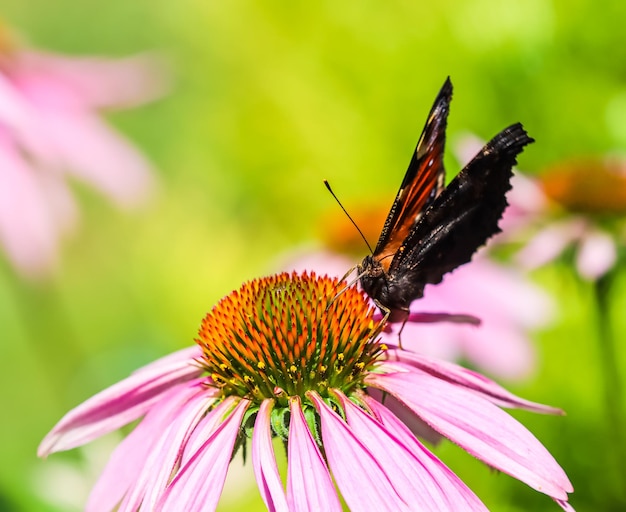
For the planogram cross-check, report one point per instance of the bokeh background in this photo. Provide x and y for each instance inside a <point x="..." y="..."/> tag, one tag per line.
<point x="268" y="99"/>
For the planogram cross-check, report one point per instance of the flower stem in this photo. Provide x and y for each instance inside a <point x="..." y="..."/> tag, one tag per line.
<point x="613" y="395"/>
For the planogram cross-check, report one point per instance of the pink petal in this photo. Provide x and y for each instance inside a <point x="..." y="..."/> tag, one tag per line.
<point x="565" y="505"/>
<point x="459" y="496"/>
<point x="264" y="461"/>
<point x="210" y="423"/>
<point x="128" y="459"/>
<point x="501" y="350"/>
<point x="549" y="243"/>
<point x="165" y="455"/>
<point x="369" y="488"/>
<point x="29" y="231"/>
<point x="116" y="406"/>
<point x="93" y="82"/>
<point x="469" y="379"/>
<point x="597" y="254"/>
<point x="439" y="341"/>
<point x="20" y="118"/>
<point x="421" y="480"/>
<point x="412" y="422"/>
<point x="199" y="483"/>
<point x="504" y="292"/>
<point x="94" y="153"/>
<point x="478" y="426"/>
<point x="309" y="485"/>
<point x="186" y="355"/>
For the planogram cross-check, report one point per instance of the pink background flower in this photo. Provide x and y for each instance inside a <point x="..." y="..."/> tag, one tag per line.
<point x="50" y="130"/>
<point x="547" y="228"/>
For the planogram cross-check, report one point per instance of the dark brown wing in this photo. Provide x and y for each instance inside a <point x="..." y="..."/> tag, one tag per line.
<point x="423" y="182"/>
<point x="464" y="215"/>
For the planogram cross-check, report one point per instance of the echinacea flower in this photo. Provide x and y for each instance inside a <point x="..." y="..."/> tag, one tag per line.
<point x="287" y="357"/>
<point x="50" y="130"/>
<point x="585" y="205"/>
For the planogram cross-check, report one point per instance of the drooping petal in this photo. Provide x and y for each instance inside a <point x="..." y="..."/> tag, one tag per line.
<point x="210" y="424"/>
<point x="467" y="378"/>
<point x="164" y="457"/>
<point x="198" y="485"/>
<point x="414" y="423"/>
<point x="264" y="461"/>
<point x="478" y="426"/>
<point x="422" y="481"/>
<point x="116" y="406"/>
<point x="369" y="488"/>
<point x="309" y="485"/>
<point x="128" y="459"/>
<point x="457" y="494"/>
<point x="189" y="354"/>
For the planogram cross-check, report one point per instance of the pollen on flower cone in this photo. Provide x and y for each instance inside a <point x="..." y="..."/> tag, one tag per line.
<point x="294" y="332"/>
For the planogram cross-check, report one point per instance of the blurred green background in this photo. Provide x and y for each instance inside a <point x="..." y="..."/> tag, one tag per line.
<point x="269" y="99"/>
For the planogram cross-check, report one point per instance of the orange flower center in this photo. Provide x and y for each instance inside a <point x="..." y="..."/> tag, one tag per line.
<point x="284" y="335"/>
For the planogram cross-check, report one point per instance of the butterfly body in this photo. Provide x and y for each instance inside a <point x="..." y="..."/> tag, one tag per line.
<point x="393" y="292"/>
<point x="431" y="229"/>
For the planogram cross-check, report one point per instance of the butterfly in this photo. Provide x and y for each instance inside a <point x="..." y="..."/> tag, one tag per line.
<point x="432" y="229"/>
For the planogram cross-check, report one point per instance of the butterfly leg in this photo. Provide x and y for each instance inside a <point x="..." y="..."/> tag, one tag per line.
<point x="385" y="311"/>
<point x="403" y="316"/>
<point x="394" y="316"/>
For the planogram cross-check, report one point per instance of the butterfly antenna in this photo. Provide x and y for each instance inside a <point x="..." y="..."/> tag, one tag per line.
<point x="348" y="215"/>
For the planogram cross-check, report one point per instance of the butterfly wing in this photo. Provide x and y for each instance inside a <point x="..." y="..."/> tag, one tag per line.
<point x="423" y="182"/>
<point x="462" y="217"/>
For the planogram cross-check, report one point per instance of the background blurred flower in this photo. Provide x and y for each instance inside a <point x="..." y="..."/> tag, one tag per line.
<point x="579" y="205"/>
<point x="50" y="130"/>
<point x="585" y="207"/>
